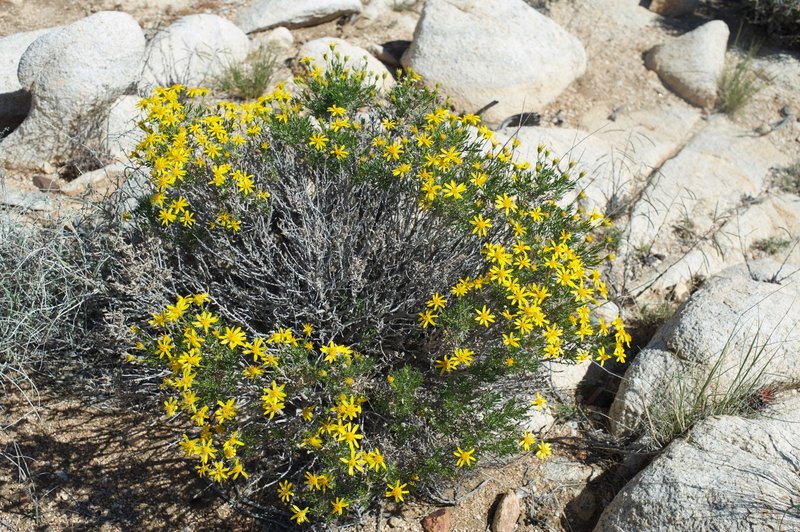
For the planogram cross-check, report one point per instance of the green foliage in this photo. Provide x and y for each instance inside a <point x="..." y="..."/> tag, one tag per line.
<point x="250" y="79"/>
<point x="347" y="213"/>
<point x="772" y="245"/>
<point x="726" y="388"/>
<point x="788" y="179"/>
<point x="781" y="18"/>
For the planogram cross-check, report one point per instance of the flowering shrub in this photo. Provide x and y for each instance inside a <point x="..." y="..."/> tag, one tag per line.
<point x="374" y="280"/>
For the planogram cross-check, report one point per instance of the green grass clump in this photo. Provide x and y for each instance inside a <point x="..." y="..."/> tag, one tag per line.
<point x="738" y="83"/>
<point x="250" y="79"/>
<point x="788" y="179"/>
<point x="363" y="285"/>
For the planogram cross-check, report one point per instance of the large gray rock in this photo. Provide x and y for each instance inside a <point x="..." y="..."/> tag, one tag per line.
<point x="356" y="57"/>
<point x="15" y="102"/>
<point x="192" y="51"/>
<point x="739" y="330"/>
<point x="72" y="73"/>
<point x="673" y="8"/>
<point x="485" y="50"/>
<point x="266" y="14"/>
<point x="690" y="65"/>
<point x="729" y="473"/>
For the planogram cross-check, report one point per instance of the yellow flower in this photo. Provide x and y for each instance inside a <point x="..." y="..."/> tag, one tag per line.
<point x="485" y="316"/>
<point x="510" y="340"/>
<point x="436" y="302"/>
<point x="454" y="190"/>
<point x="427" y="318"/>
<point x="339" y="505"/>
<point x="285" y="492"/>
<point x="334" y="110"/>
<point x="354" y="463"/>
<point x="298" y="515"/>
<point x="463" y="356"/>
<point x="233" y="337"/>
<point x="465" y="458"/>
<point x="318" y="140"/>
<point x="543" y="450"/>
<point x="171" y="406"/>
<point x="226" y="411"/>
<point x="446" y="364"/>
<point x="480" y="225"/>
<point x="527" y="440"/>
<point x="204" y="320"/>
<point x="219" y="472"/>
<point x="506" y="203"/>
<point x="539" y="402"/>
<point x="602" y="356"/>
<point x="397" y="491"/>
<point x="339" y="152"/>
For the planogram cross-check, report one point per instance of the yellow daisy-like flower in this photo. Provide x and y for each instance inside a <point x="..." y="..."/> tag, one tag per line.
<point x="464" y="458"/>
<point x="480" y="225"/>
<point x="397" y="491"/>
<point x="485" y="316"/>
<point x="539" y="402"/>
<point x="527" y="440"/>
<point x="233" y="337"/>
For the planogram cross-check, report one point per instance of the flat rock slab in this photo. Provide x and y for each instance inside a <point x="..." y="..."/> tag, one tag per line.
<point x="479" y="51"/>
<point x="644" y="139"/>
<point x="719" y="167"/>
<point x="265" y="14"/>
<point x="729" y="473"/>
<point x="691" y="64"/>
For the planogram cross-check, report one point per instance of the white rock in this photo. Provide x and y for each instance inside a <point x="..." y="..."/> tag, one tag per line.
<point x="356" y="57"/>
<point x="566" y="376"/>
<point x="96" y="184"/>
<point x="673" y="8"/>
<point x="538" y="421"/>
<point x="729" y="473"/>
<point x="122" y="132"/>
<point x="726" y="160"/>
<point x="277" y="40"/>
<point x="644" y="139"/>
<point x="192" y="51"/>
<point x="375" y="9"/>
<point x="739" y="319"/>
<point x="485" y="50"/>
<point x="266" y="14"/>
<point x="775" y="217"/>
<point x="15" y="101"/>
<point x="507" y="512"/>
<point x="690" y="65"/>
<point x="72" y="74"/>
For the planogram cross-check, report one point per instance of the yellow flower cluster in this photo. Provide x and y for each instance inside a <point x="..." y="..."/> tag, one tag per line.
<point x="187" y="141"/>
<point x="190" y="338"/>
